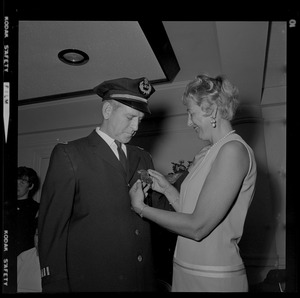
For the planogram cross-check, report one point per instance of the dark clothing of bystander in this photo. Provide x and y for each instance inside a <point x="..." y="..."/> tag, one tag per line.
<point x="26" y="224"/>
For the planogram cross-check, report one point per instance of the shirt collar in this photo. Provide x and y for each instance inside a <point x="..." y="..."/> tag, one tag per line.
<point x="110" y="141"/>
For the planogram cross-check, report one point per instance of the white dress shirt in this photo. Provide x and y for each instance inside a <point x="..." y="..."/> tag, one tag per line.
<point x="110" y="142"/>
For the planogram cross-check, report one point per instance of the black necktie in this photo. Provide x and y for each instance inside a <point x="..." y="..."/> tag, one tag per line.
<point x="122" y="155"/>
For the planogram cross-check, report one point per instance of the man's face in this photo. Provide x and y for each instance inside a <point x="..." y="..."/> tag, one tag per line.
<point x="124" y="122"/>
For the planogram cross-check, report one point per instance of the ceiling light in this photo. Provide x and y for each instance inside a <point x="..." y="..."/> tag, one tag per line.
<point x="73" y="57"/>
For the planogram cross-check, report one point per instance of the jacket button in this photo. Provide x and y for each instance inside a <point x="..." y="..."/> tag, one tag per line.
<point x="137" y="232"/>
<point x="140" y="258"/>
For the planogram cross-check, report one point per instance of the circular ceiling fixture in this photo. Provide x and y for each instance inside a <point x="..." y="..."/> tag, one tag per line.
<point x="73" y="57"/>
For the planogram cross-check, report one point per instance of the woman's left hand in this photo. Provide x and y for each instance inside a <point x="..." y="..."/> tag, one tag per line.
<point x="138" y="192"/>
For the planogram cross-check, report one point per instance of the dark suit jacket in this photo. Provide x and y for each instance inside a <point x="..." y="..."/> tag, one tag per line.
<point x="89" y="238"/>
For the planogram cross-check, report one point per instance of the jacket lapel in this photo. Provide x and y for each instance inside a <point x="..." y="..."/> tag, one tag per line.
<point x="133" y="160"/>
<point x="103" y="151"/>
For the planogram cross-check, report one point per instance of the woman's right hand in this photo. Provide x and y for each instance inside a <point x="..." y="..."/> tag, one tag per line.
<point x="160" y="183"/>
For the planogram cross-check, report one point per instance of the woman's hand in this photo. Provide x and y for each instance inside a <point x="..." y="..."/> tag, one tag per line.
<point x="160" y="182"/>
<point x="138" y="192"/>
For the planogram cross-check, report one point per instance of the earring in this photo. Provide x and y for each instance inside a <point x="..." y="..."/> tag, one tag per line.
<point x="213" y="122"/>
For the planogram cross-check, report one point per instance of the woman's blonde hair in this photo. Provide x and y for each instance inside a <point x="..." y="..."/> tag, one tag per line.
<point x="206" y="91"/>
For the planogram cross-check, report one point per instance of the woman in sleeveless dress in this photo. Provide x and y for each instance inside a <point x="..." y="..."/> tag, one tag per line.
<point x="214" y="198"/>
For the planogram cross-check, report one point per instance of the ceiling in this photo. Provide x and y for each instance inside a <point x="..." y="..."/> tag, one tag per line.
<point x="251" y="54"/>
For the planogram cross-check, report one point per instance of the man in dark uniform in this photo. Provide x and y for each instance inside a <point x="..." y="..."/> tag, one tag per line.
<point x="89" y="238"/>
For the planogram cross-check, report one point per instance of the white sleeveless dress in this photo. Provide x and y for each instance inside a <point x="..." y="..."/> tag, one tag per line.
<point x="213" y="264"/>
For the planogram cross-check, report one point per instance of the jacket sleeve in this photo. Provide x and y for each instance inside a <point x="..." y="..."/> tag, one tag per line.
<point x="156" y="199"/>
<point x="160" y="201"/>
<point x="55" y="210"/>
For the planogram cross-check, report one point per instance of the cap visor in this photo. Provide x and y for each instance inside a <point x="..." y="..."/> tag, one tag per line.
<point x="140" y="106"/>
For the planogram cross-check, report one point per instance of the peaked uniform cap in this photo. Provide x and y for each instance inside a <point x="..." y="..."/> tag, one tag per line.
<point x="131" y="92"/>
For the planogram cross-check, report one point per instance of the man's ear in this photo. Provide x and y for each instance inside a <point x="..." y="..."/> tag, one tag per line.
<point x="107" y="109"/>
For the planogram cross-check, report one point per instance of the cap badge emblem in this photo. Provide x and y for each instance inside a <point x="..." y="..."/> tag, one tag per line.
<point x="145" y="87"/>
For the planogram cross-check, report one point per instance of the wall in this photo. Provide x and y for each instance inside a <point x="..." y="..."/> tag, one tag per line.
<point x="275" y="134"/>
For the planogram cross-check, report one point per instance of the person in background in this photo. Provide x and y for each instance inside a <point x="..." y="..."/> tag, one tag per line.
<point x="27" y="208"/>
<point x="28" y="267"/>
<point x="90" y="240"/>
<point x="214" y="198"/>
